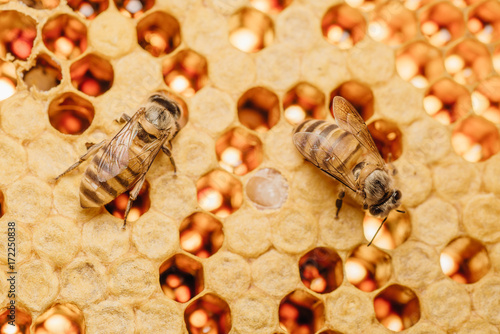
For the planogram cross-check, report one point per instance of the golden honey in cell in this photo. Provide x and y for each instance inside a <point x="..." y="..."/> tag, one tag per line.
<point x="121" y="163"/>
<point x="346" y="151"/>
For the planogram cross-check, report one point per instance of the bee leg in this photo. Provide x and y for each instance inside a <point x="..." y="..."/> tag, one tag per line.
<point x="90" y="152"/>
<point x="132" y="197"/>
<point x="338" y="203"/>
<point x="124" y="118"/>
<point x="167" y="151"/>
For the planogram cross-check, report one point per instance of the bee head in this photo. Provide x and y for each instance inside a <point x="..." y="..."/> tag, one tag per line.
<point x="161" y="110"/>
<point x="381" y="196"/>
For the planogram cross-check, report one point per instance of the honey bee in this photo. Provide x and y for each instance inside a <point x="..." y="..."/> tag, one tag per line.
<point x="122" y="162"/>
<point x="346" y="152"/>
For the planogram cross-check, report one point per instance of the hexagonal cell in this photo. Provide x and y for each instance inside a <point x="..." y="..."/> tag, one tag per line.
<point x="159" y="33"/>
<point x="181" y="278"/>
<point x="61" y="318"/>
<point x="258" y="109"/>
<point x="71" y="114"/>
<point x="41" y="4"/>
<point x="419" y="63"/>
<point x="92" y="75"/>
<point x="133" y="8"/>
<point x="484" y="21"/>
<point x="397" y="307"/>
<point x="201" y="234"/>
<point x="139" y="207"/>
<point x="219" y="192"/>
<point x="465" y="260"/>
<point x="2" y="204"/>
<point x="183" y="119"/>
<point x="8" y="80"/>
<point x="388" y="139"/>
<point x="343" y="26"/>
<point x="270" y="6"/>
<point x="468" y="62"/>
<point x="46" y="74"/>
<point x="475" y="139"/>
<point x="186" y="72"/>
<point x="486" y="99"/>
<point x="368" y="268"/>
<point x="22" y="321"/>
<point x="208" y="314"/>
<point x="301" y="312"/>
<point x="17" y="33"/>
<point x="239" y="151"/>
<point x="442" y="23"/>
<point x="393" y="233"/>
<point x="65" y="36"/>
<point x="393" y="24"/>
<point x="267" y="189"/>
<point x="446" y="101"/>
<point x="88" y="9"/>
<point x="250" y="30"/>
<point x="303" y="101"/>
<point x="321" y="270"/>
<point x="358" y="94"/>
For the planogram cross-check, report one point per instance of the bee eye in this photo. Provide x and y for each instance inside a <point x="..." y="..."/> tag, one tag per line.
<point x="374" y="211"/>
<point x="397" y="195"/>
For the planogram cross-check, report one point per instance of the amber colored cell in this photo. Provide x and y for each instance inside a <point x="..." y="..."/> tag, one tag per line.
<point x="419" y="63"/>
<point x="442" y="23"/>
<point x="220" y="193"/>
<point x="393" y="24"/>
<point x="208" y="314"/>
<point x="258" y="109"/>
<point x="393" y="233"/>
<point x="139" y="207"/>
<point x="343" y="26"/>
<point x="186" y="72"/>
<point x="476" y="139"/>
<point x="88" y="9"/>
<point x="250" y="30"/>
<point x="270" y="6"/>
<point x="17" y="33"/>
<point x="133" y="8"/>
<point x="181" y="278"/>
<point x="486" y="99"/>
<point x="358" y="94"/>
<point x="201" y="234"/>
<point x="484" y="21"/>
<point x="159" y="33"/>
<point x="92" y="75"/>
<point x="303" y="101"/>
<point x="321" y="270"/>
<point x="70" y="114"/>
<point x="65" y="36"/>
<point x="22" y="321"/>
<point x="46" y="74"/>
<point x="239" y="151"/>
<point x="41" y="4"/>
<point x="267" y="189"/>
<point x="446" y="101"/>
<point x="368" y="268"/>
<point x="388" y="139"/>
<point x="301" y="312"/>
<point x="8" y="80"/>
<point x="397" y="308"/>
<point x="61" y="318"/>
<point x="468" y="62"/>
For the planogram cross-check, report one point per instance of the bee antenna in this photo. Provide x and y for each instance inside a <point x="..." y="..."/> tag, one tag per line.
<point x="401" y="211"/>
<point x="377" y="232"/>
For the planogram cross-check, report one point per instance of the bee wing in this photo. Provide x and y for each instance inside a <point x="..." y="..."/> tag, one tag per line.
<point x="349" y="120"/>
<point x="319" y="151"/>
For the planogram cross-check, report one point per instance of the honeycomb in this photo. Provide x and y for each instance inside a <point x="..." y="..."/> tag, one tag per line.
<point x="243" y="239"/>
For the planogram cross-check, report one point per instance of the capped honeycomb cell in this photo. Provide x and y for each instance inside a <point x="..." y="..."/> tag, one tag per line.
<point x="70" y="114"/>
<point x="321" y="270"/>
<point x="201" y="234"/>
<point x="486" y="99"/>
<point x="41" y="4"/>
<point x="343" y="26"/>
<point x="397" y="308"/>
<point x="17" y="33"/>
<point x="181" y="278"/>
<point x="22" y="323"/>
<point x="239" y="151"/>
<point x="208" y="314"/>
<point x="388" y="139"/>
<point x="302" y="102"/>
<point x="139" y="207"/>
<point x="88" y="9"/>
<point x="465" y="260"/>
<point x="46" y="74"/>
<point x="258" y="109"/>
<point x="66" y="36"/>
<point x="133" y="8"/>
<point x="8" y="80"/>
<point x="92" y="75"/>
<point x="484" y="21"/>
<point x="368" y="268"/>
<point x="393" y="24"/>
<point x="61" y="318"/>
<point x="250" y="30"/>
<point x="358" y="94"/>
<point x="270" y="6"/>
<point x="442" y="23"/>
<point x="468" y="62"/>
<point x="301" y="312"/>
<point x="186" y="72"/>
<point x="393" y="233"/>
<point x="220" y="193"/>
<point x="159" y="33"/>
<point x="447" y="101"/>
<point x="267" y="189"/>
<point x="475" y="139"/>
